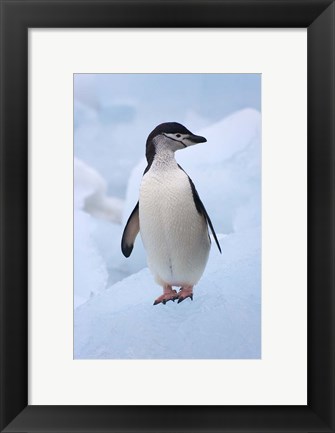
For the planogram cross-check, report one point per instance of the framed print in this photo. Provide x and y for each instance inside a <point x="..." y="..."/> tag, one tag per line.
<point x="85" y="86"/>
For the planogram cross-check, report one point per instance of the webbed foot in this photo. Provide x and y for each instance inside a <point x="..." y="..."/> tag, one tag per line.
<point x="168" y="295"/>
<point x="184" y="293"/>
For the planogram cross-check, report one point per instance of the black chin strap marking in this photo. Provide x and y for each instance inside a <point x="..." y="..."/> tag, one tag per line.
<point x="174" y="140"/>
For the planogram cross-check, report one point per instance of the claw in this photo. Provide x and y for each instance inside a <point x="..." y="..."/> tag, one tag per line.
<point x="183" y="299"/>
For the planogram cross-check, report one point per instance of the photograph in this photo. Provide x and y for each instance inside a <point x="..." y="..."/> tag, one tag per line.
<point x="167" y="216"/>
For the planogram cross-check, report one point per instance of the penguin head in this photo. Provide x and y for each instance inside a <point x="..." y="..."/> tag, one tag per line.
<point x="172" y="136"/>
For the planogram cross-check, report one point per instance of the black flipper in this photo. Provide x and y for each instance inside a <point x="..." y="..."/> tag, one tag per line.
<point x="130" y="232"/>
<point x="201" y="208"/>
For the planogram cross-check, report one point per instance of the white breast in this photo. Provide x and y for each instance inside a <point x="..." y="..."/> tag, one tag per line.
<point x="174" y="234"/>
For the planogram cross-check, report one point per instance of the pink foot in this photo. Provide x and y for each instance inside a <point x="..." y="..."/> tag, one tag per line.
<point x="185" y="292"/>
<point x="168" y="295"/>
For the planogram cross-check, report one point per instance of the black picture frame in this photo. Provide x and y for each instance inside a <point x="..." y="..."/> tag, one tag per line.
<point x="17" y="16"/>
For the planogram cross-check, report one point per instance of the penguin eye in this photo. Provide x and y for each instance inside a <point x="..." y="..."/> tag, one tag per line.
<point x="178" y="135"/>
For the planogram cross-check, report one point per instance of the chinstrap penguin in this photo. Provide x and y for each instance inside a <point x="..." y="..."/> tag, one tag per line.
<point x="170" y="216"/>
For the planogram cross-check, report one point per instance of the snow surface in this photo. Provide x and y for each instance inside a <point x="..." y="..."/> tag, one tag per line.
<point x="223" y="320"/>
<point x="90" y="266"/>
<point x="91" y="194"/>
<point x="90" y="271"/>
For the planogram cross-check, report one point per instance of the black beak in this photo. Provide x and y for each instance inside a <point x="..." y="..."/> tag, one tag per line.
<point x="197" y="139"/>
